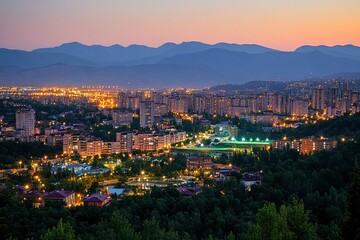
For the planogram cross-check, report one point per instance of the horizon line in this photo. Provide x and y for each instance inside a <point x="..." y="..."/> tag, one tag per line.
<point x="179" y="43"/>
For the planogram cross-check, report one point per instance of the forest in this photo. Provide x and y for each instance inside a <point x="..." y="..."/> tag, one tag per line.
<point x="301" y="197"/>
<point x="314" y="196"/>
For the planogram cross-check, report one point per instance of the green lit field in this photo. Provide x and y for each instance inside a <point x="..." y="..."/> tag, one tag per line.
<point x="227" y="146"/>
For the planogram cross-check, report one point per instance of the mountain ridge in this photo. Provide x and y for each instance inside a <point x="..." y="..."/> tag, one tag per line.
<point x="188" y="64"/>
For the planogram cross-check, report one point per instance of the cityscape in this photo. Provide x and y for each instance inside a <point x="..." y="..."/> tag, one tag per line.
<point x="186" y="140"/>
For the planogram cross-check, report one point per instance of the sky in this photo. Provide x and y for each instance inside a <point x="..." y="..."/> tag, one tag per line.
<point x="280" y="24"/>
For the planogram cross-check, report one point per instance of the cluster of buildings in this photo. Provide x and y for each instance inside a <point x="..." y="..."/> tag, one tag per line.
<point x="335" y="101"/>
<point x="126" y="142"/>
<point x="305" y="145"/>
<point x="205" y="165"/>
<point x="24" y="127"/>
<point x="263" y="108"/>
<point x="66" y="198"/>
<point x="221" y="172"/>
<point x="72" y="138"/>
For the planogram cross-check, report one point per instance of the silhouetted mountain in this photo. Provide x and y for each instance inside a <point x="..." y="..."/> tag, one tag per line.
<point x="283" y="66"/>
<point x="100" y="54"/>
<point x="189" y="64"/>
<point x="345" y="51"/>
<point x="253" y="86"/>
<point x="23" y="59"/>
<point x="138" y="54"/>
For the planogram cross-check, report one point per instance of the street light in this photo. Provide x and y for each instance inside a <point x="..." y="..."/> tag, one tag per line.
<point x="20" y="162"/>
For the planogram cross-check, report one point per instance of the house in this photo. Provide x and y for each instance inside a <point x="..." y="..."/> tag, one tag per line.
<point x="190" y="189"/>
<point x="251" y="178"/>
<point x="97" y="199"/>
<point x="36" y="198"/>
<point x="224" y="172"/>
<point x="68" y="197"/>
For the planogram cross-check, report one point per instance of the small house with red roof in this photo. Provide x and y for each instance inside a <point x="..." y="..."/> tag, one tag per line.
<point x="68" y="197"/>
<point x="97" y="199"/>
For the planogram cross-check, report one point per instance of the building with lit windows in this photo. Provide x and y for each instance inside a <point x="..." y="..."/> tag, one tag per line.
<point x="147" y="114"/>
<point x="25" y="120"/>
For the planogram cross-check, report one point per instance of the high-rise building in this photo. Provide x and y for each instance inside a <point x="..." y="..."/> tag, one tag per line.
<point x="132" y="103"/>
<point x="25" y="120"/>
<point x="147" y="113"/>
<point x="331" y="95"/>
<point x="178" y="105"/>
<point x="121" y="101"/>
<point x="318" y="98"/>
<point x="342" y="106"/>
<point x="281" y="103"/>
<point x="299" y="107"/>
<point x="126" y="141"/>
<point x="160" y="109"/>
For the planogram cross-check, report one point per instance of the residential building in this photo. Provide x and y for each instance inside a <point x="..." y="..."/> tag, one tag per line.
<point x="126" y="141"/>
<point x="97" y="199"/>
<point x="318" y="98"/>
<point x="147" y="113"/>
<point x="25" y="119"/>
<point x="201" y="163"/>
<point x="67" y="197"/>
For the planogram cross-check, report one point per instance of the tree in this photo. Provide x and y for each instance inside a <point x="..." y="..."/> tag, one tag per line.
<point x="298" y="221"/>
<point x="117" y="228"/>
<point x="152" y="231"/>
<point x="290" y="223"/>
<point x="351" y="228"/>
<point x="63" y="231"/>
<point x="94" y="186"/>
<point x="231" y="236"/>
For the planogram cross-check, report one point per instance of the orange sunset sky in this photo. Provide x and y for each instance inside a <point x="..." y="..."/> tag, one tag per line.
<point x="280" y="24"/>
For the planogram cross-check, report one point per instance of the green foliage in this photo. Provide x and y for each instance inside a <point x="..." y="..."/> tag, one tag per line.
<point x="291" y="222"/>
<point x="152" y="231"/>
<point x="13" y="151"/>
<point x="352" y="224"/>
<point x="339" y="126"/>
<point x="63" y="231"/>
<point x="117" y="228"/>
<point x="222" y="210"/>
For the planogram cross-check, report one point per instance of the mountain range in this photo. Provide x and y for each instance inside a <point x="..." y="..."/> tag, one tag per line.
<point x="189" y="64"/>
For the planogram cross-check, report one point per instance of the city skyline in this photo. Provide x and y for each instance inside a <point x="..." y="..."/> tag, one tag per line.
<point x="279" y="24"/>
<point x="169" y="119"/>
